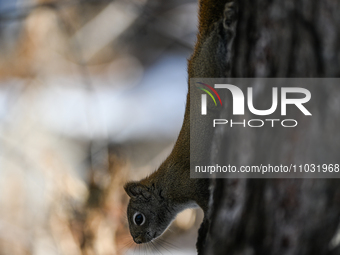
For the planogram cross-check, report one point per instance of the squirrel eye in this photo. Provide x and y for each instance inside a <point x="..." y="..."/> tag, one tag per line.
<point x="138" y="218"/>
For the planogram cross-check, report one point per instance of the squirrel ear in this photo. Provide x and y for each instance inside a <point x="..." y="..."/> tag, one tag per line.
<point x="135" y="189"/>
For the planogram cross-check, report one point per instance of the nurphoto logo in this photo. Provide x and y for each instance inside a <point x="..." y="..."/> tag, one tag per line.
<point x="238" y="104"/>
<point x="204" y="97"/>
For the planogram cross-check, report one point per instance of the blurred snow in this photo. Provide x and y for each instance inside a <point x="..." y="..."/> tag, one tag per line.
<point x="59" y="112"/>
<point x="3" y="105"/>
<point x="152" y="109"/>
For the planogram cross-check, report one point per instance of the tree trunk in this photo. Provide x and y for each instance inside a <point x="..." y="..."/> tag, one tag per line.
<point x="275" y="38"/>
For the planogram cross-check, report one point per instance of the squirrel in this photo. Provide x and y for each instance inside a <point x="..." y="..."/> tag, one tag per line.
<point x="157" y="199"/>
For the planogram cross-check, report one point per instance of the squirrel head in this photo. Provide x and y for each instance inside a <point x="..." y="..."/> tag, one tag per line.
<point x="148" y="213"/>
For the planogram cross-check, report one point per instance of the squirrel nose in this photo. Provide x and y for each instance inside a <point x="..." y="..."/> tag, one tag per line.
<point x="138" y="240"/>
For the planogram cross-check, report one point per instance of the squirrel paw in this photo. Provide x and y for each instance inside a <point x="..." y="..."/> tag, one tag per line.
<point x="230" y="15"/>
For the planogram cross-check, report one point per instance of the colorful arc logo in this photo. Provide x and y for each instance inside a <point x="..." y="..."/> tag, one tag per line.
<point x="204" y="97"/>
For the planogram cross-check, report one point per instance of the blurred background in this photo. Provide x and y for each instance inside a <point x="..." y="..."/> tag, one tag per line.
<point x="92" y="94"/>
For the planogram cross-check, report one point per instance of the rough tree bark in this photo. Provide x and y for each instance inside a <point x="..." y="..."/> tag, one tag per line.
<point x="275" y="38"/>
